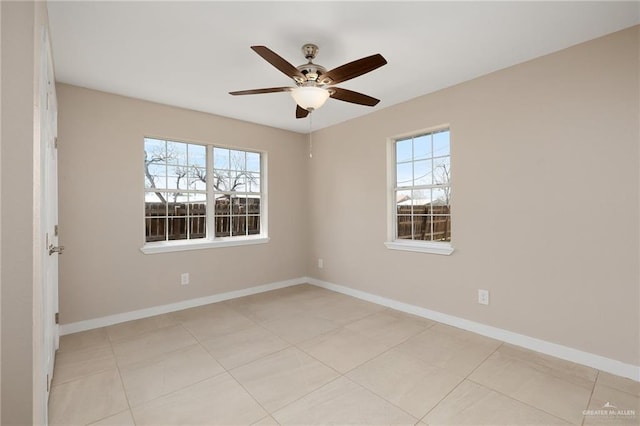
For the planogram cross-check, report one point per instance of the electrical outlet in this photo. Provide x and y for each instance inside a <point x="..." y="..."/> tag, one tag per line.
<point x="320" y="263"/>
<point x="184" y="278"/>
<point x="483" y="296"/>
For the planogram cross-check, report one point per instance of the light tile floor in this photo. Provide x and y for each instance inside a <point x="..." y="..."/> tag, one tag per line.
<point x="308" y="356"/>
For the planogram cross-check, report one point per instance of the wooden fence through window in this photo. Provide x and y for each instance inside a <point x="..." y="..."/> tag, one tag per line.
<point x="431" y="223"/>
<point x="171" y="221"/>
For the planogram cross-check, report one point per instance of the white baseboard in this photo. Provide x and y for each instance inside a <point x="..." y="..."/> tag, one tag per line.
<point x="91" y="324"/>
<point x="559" y="351"/>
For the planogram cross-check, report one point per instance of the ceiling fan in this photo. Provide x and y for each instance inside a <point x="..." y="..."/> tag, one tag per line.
<point x="314" y="84"/>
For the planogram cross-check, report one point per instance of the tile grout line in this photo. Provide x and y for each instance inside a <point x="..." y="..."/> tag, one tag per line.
<point x="124" y="390"/>
<point x="250" y="394"/>
<point x="593" y="389"/>
<point x="303" y="396"/>
<point x="344" y="375"/>
<point x="460" y="382"/>
<point x="504" y="394"/>
<point x="521" y="402"/>
<point x="228" y="370"/>
<point x="159" y="356"/>
<point x="339" y="374"/>
<point x="79" y="377"/>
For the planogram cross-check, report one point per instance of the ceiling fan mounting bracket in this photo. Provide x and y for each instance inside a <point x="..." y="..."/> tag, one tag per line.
<point x="310" y="51"/>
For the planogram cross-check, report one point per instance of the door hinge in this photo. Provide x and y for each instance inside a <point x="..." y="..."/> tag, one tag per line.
<point x="55" y="230"/>
<point x="47" y="383"/>
<point x="57" y="317"/>
<point x="55" y="142"/>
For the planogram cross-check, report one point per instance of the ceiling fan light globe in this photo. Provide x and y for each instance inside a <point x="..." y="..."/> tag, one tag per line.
<point x="310" y="98"/>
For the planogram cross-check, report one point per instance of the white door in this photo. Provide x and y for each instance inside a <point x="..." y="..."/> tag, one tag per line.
<point x="48" y="133"/>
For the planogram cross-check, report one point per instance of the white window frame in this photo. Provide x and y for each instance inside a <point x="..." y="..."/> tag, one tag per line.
<point x="211" y="241"/>
<point x="393" y="243"/>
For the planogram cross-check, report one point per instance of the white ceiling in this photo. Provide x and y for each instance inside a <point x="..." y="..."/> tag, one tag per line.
<point x="191" y="54"/>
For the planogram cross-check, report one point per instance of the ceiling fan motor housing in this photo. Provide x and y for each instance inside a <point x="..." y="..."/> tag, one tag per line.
<point x="311" y="71"/>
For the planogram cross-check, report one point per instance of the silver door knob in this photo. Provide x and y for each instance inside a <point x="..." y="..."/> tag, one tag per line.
<point x="54" y="249"/>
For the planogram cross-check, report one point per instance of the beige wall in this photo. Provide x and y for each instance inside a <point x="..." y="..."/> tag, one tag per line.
<point x="21" y="369"/>
<point x="101" y="181"/>
<point x="545" y="200"/>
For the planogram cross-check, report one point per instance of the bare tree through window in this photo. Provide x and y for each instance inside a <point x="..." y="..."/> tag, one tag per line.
<point x="177" y="190"/>
<point x="423" y="187"/>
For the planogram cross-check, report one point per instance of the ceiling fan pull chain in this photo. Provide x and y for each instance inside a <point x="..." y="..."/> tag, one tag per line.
<point x="310" y="139"/>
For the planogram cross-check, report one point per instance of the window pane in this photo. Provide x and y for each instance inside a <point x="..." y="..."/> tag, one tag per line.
<point x="155" y="217"/>
<point x="222" y="226"/>
<point x="404" y="150"/>
<point x="197" y="178"/>
<point x="422" y="147"/>
<point x="404" y="227"/>
<point x="155" y="176"/>
<point x="237" y="160"/>
<point x="253" y="182"/>
<point x="422" y="173"/>
<point x="153" y="197"/>
<point x="177" y="178"/>
<point x="222" y="205"/>
<point x="154" y="146"/>
<point x="442" y="170"/>
<point x="176" y="220"/>
<point x="198" y="155"/>
<point x="440" y="199"/>
<point x="421" y="197"/>
<point x="253" y="162"/>
<point x="441" y="144"/>
<point x="179" y="198"/>
<point x="441" y="228"/>
<point x="253" y="224"/>
<point x="197" y="209"/>
<point x="239" y="225"/>
<point x="403" y="199"/>
<point x="253" y="205"/>
<point x="198" y="198"/>
<point x="418" y="201"/>
<point x="197" y="227"/>
<point x="404" y="174"/>
<point x="238" y="204"/>
<point x="177" y="153"/>
<point x="421" y="227"/>
<point x="221" y="180"/>
<point x="154" y="229"/>
<point x="221" y="158"/>
<point x="238" y="181"/>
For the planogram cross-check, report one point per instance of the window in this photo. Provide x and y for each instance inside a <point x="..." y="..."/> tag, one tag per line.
<point x="236" y="190"/>
<point x="420" y="172"/>
<point x="199" y="196"/>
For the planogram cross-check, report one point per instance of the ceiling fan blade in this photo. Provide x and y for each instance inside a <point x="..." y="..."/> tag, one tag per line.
<point x="260" y="91"/>
<point x="353" y="69"/>
<point x="301" y="112"/>
<point x="277" y="61"/>
<point x="353" y="97"/>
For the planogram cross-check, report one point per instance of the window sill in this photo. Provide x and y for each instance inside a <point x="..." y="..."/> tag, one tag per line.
<point x="171" y="246"/>
<point x="421" y="247"/>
